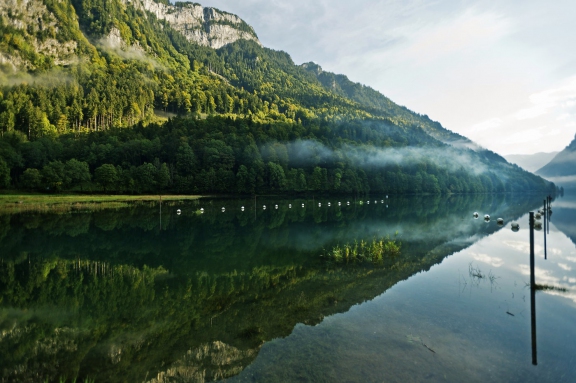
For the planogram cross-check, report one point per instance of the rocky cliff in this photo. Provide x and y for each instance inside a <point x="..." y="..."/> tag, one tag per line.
<point x="37" y="34"/>
<point x="30" y="28"/>
<point x="205" y="26"/>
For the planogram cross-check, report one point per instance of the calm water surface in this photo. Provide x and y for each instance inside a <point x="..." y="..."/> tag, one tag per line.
<point x="139" y="295"/>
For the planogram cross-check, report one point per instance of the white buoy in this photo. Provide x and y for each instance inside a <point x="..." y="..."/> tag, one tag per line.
<point x="276" y="207"/>
<point x="223" y="209"/>
<point x="201" y="210"/>
<point x="339" y="203"/>
<point x="515" y="226"/>
<point x="537" y="216"/>
<point x="386" y="197"/>
<point x="537" y="225"/>
<point x="329" y="204"/>
<point x="487" y="218"/>
<point x="302" y="205"/>
<point x="386" y="206"/>
<point x="348" y="203"/>
<point x="475" y="215"/>
<point x="319" y="204"/>
<point x="382" y="201"/>
<point x="264" y="207"/>
<point x="368" y="202"/>
<point x="290" y="206"/>
<point x="500" y="221"/>
<point x="178" y="211"/>
<point x="242" y="208"/>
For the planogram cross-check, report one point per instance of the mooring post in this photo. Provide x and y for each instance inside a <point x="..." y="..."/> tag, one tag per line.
<point x="532" y="291"/>
<point x="545" y="226"/>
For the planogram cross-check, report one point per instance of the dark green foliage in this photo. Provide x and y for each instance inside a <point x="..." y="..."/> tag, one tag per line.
<point x="4" y="174"/>
<point x="106" y="176"/>
<point x="223" y="155"/>
<point x="31" y="179"/>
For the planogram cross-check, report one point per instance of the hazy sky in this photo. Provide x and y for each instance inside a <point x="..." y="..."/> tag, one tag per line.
<point x="502" y="73"/>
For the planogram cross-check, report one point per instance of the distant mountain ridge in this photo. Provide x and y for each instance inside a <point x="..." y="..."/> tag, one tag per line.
<point x="562" y="168"/>
<point x="563" y="164"/>
<point x="531" y="162"/>
<point x="365" y="95"/>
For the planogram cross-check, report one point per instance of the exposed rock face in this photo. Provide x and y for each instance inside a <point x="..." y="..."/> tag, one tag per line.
<point x="41" y="31"/>
<point x="205" y="26"/>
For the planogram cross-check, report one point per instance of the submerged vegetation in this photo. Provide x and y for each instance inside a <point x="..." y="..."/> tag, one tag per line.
<point x="477" y="275"/>
<point x="374" y="251"/>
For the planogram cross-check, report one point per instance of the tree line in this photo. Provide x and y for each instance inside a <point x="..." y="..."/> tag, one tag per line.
<point x="244" y="156"/>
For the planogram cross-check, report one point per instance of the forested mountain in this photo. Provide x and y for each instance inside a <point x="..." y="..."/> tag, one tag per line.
<point x="531" y="162"/>
<point x="87" y="87"/>
<point x="562" y="168"/>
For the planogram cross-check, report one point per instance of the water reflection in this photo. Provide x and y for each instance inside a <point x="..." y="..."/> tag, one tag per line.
<point x="482" y="333"/>
<point x="139" y="295"/>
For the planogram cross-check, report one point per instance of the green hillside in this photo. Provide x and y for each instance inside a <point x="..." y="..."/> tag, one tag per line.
<point x="75" y="74"/>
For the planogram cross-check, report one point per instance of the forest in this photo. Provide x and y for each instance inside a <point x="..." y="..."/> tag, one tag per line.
<point x="239" y="156"/>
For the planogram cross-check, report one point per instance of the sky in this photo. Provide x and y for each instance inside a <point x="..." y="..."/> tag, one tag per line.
<point x="502" y="73"/>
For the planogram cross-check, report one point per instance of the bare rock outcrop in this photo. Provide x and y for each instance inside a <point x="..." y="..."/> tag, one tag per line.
<point x="203" y="25"/>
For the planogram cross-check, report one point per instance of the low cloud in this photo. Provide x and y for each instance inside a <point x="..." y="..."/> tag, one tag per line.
<point x="51" y="78"/>
<point x="303" y="152"/>
<point x="114" y="43"/>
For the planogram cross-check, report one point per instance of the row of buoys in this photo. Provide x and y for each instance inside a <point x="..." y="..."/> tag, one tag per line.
<point x="179" y="211"/>
<point x="499" y="221"/>
<point x="514" y="225"/>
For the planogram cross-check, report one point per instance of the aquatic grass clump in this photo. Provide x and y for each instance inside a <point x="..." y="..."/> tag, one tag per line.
<point x="550" y="288"/>
<point x="374" y="251"/>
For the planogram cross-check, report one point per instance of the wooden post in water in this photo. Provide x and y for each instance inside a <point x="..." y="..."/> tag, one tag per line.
<point x="545" y="226"/>
<point x="533" y="292"/>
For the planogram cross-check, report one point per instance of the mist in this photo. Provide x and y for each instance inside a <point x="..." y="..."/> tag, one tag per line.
<point x="308" y="152"/>
<point x="113" y="43"/>
<point x="51" y="78"/>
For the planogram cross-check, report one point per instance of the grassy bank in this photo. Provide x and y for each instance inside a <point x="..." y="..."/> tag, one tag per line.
<point x="62" y="203"/>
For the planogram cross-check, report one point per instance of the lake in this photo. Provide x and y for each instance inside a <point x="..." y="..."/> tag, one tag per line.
<point x="246" y="291"/>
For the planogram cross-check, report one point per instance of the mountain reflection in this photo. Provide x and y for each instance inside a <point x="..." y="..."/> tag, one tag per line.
<point x="129" y="295"/>
<point x="564" y="216"/>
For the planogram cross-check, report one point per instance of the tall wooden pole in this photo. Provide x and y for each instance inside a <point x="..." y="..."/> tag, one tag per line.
<point x="533" y="292"/>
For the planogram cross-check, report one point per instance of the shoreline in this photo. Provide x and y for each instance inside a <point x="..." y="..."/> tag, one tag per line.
<point x="63" y="203"/>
